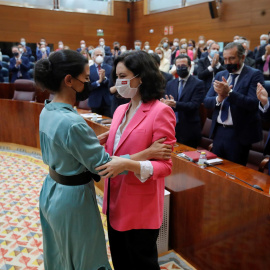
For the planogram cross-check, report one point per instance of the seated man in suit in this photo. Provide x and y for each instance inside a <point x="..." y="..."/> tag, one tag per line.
<point x="236" y="122"/>
<point x="185" y="96"/>
<point x="249" y="61"/>
<point x="263" y="59"/>
<point x="18" y="65"/>
<point x="42" y="50"/>
<point x="209" y="66"/>
<point x="27" y="50"/>
<point x="100" y="98"/>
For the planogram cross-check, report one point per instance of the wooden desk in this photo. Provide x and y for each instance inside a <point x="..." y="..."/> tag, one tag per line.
<point x="215" y="222"/>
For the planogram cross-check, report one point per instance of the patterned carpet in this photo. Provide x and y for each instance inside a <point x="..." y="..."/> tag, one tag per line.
<point x="21" y="177"/>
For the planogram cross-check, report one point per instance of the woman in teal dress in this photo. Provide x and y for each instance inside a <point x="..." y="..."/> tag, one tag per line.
<point x="73" y="236"/>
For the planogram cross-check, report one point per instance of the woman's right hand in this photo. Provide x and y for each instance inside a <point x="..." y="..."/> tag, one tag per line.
<point x="262" y="94"/>
<point x="103" y="137"/>
<point x="160" y="150"/>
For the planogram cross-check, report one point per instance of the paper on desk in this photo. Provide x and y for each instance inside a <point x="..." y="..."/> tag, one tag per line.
<point x="91" y="115"/>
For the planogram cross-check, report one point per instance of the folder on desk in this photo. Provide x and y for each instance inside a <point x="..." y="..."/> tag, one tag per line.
<point x="195" y="155"/>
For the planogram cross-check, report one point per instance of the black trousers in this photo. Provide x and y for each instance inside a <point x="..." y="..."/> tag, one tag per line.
<point x="133" y="249"/>
<point x="225" y="145"/>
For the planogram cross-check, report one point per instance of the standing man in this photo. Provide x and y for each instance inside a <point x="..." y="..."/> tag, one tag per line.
<point x="236" y="122"/>
<point x="19" y="65"/>
<point x="185" y="95"/>
<point x="209" y="66"/>
<point x="28" y="50"/>
<point x="82" y="46"/>
<point x="100" y="98"/>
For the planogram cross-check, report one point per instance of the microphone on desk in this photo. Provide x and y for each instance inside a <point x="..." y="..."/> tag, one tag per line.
<point x="254" y="186"/>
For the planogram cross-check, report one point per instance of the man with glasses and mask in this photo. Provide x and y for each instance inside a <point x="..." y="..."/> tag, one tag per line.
<point x="19" y="65"/>
<point x="185" y="95"/>
<point x="236" y="122"/>
<point x="100" y="98"/>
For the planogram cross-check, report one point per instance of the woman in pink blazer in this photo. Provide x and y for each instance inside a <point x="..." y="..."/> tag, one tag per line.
<point x="133" y="201"/>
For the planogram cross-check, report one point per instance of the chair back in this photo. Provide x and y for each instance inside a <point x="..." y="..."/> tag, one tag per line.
<point x="83" y="105"/>
<point x="4" y="64"/>
<point x="31" y="65"/>
<point x="24" y="90"/>
<point x="206" y="141"/>
<point x="32" y="58"/>
<point x="5" y="58"/>
<point x="5" y="73"/>
<point x="267" y="87"/>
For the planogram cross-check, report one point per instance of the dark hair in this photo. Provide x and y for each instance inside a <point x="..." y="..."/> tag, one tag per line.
<point x="141" y="63"/>
<point x="211" y="44"/>
<point x="193" y="42"/>
<point x="240" y="48"/>
<point x="49" y="73"/>
<point x="156" y="58"/>
<point x="182" y="56"/>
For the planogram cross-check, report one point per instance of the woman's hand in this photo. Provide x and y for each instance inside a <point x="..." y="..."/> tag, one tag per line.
<point x="112" y="168"/>
<point x="159" y="150"/>
<point x="262" y="94"/>
<point x="103" y="137"/>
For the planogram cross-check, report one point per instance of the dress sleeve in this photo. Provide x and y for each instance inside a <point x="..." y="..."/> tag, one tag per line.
<point x="83" y="144"/>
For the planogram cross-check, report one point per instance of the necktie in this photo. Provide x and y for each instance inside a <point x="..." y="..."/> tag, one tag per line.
<point x="180" y="89"/>
<point x="99" y="67"/>
<point x="266" y="64"/>
<point x="226" y="103"/>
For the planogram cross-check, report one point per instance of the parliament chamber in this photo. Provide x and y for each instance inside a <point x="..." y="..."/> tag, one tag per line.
<point x="216" y="221"/>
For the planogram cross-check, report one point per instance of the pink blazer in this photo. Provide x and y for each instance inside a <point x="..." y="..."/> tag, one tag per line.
<point x="133" y="204"/>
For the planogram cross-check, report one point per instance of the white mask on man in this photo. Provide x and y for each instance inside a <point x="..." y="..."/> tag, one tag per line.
<point x="101" y="43"/>
<point x="99" y="59"/>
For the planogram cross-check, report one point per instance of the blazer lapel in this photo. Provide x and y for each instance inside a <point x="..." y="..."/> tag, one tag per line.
<point x="242" y="76"/>
<point x="134" y="122"/>
<point x="185" y="89"/>
<point x="175" y="89"/>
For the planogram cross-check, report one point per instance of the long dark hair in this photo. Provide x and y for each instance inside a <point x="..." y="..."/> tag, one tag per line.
<point x="141" y="63"/>
<point x="49" y="73"/>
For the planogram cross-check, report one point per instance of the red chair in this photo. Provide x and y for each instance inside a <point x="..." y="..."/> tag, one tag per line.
<point x="84" y="105"/>
<point x="24" y="90"/>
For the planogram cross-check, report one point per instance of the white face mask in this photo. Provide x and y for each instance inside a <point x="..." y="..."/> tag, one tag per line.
<point x="101" y="43"/>
<point x="124" y="89"/>
<point x="61" y="46"/>
<point x="82" y="45"/>
<point x="175" y="44"/>
<point x="201" y="42"/>
<point x="99" y="59"/>
<point x="184" y="46"/>
<point x="42" y="43"/>
<point x="160" y="56"/>
<point x="21" y="50"/>
<point x="43" y="49"/>
<point x="147" y="47"/>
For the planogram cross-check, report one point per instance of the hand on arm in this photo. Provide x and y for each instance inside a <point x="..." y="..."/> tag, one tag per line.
<point x="117" y="165"/>
<point x="103" y="137"/>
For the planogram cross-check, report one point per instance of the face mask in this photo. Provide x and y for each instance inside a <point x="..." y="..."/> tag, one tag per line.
<point x="232" y="67"/>
<point x="101" y="43"/>
<point x="60" y="46"/>
<point x="175" y="44"/>
<point x="21" y="50"/>
<point x="184" y="46"/>
<point x="263" y="42"/>
<point x="99" y="59"/>
<point x="160" y="56"/>
<point x="83" y="46"/>
<point x="81" y="96"/>
<point x="42" y="43"/>
<point x="123" y="50"/>
<point x="137" y="48"/>
<point x="43" y="50"/>
<point x="124" y="89"/>
<point x="165" y="45"/>
<point x="236" y="40"/>
<point x="90" y="52"/>
<point x="16" y="54"/>
<point x="201" y="42"/>
<point x="190" y="45"/>
<point x="23" y="43"/>
<point x="212" y="53"/>
<point x="146" y="47"/>
<point x="182" y="71"/>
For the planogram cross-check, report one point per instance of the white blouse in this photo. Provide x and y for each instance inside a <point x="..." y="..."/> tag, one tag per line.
<point x="146" y="166"/>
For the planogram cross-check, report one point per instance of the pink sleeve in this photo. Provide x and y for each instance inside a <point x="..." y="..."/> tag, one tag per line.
<point x="190" y="54"/>
<point x="177" y="53"/>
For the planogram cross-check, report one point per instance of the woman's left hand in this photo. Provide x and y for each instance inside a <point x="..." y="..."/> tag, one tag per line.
<point x="112" y="168"/>
<point x="103" y="137"/>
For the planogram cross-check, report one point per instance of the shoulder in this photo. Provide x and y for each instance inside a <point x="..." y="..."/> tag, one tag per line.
<point x="172" y="82"/>
<point x="195" y="80"/>
<point x="106" y="66"/>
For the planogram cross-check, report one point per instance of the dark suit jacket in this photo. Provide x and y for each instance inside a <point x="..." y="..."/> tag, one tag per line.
<point x="39" y="53"/>
<point x="189" y="125"/>
<point x="205" y="75"/>
<point x="250" y="62"/>
<point x="205" y="54"/>
<point x="101" y="92"/>
<point x="259" y="62"/>
<point x="243" y="104"/>
<point x="167" y="76"/>
<point x="23" y="68"/>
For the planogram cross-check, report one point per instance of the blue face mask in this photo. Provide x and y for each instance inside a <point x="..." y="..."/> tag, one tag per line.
<point x="165" y="45"/>
<point x="137" y="48"/>
<point x="212" y="53"/>
<point x="263" y="42"/>
<point x="90" y="52"/>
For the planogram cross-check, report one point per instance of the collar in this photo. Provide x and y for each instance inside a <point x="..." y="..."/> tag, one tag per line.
<point x="210" y="59"/>
<point x="49" y="105"/>
<point x="184" y="79"/>
<point x="96" y="65"/>
<point x="239" y="71"/>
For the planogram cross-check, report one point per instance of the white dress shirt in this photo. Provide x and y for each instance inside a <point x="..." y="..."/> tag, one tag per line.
<point x="146" y="166"/>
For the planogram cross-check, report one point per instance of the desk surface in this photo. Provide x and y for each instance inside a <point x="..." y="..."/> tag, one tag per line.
<point x="215" y="222"/>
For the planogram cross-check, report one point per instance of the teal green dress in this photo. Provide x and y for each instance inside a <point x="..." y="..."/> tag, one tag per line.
<point x="73" y="236"/>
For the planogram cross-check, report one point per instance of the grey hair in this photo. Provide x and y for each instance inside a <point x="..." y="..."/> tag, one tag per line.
<point x="210" y="45"/>
<point x="264" y="36"/>
<point x="98" y="48"/>
<point x="239" y="46"/>
<point x="242" y="41"/>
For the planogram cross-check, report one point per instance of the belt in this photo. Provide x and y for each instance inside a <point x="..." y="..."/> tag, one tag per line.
<point x="225" y="126"/>
<point x="73" y="180"/>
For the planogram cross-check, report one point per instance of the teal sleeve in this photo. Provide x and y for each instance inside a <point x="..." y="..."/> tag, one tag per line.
<point x="128" y="157"/>
<point x="83" y="144"/>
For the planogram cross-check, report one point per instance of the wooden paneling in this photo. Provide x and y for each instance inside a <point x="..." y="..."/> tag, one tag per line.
<point x="70" y="27"/>
<point x="242" y="17"/>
